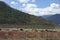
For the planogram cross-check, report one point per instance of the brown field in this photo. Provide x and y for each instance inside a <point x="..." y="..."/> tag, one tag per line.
<point x="17" y="35"/>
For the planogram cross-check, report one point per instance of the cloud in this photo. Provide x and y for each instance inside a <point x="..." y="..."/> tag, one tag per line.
<point x="33" y="0"/>
<point x="34" y="10"/>
<point x="13" y="2"/>
<point x="23" y="5"/>
<point x="25" y="1"/>
<point x="31" y="9"/>
<point x="54" y="5"/>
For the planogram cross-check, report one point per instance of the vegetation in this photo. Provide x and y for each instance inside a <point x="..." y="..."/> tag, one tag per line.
<point x="10" y="17"/>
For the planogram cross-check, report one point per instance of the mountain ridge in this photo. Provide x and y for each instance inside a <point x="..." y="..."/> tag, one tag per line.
<point x="55" y="18"/>
<point x="10" y="17"/>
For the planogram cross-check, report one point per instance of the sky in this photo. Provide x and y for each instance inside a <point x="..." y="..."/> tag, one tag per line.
<point x="36" y="7"/>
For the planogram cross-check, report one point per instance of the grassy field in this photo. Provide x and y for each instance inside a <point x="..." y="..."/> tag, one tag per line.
<point x="29" y="38"/>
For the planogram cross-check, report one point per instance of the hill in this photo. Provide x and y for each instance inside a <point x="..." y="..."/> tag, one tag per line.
<point x="55" y="18"/>
<point x="46" y="16"/>
<point x="10" y="17"/>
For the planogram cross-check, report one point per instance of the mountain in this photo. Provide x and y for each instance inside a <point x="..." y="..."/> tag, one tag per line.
<point x="10" y="17"/>
<point x="55" y="18"/>
<point x="46" y="16"/>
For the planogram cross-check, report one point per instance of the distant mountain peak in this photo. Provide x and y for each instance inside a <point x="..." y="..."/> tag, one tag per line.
<point x="57" y="14"/>
<point x="55" y="18"/>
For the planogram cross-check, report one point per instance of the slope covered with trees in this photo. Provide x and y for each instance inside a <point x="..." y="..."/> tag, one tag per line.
<point x="10" y="17"/>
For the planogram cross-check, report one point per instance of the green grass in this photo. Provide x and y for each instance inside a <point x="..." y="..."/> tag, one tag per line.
<point x="30" y="39"/>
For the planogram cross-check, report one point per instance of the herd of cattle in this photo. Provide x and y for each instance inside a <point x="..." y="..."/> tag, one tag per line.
<point x="29" y="30"/>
